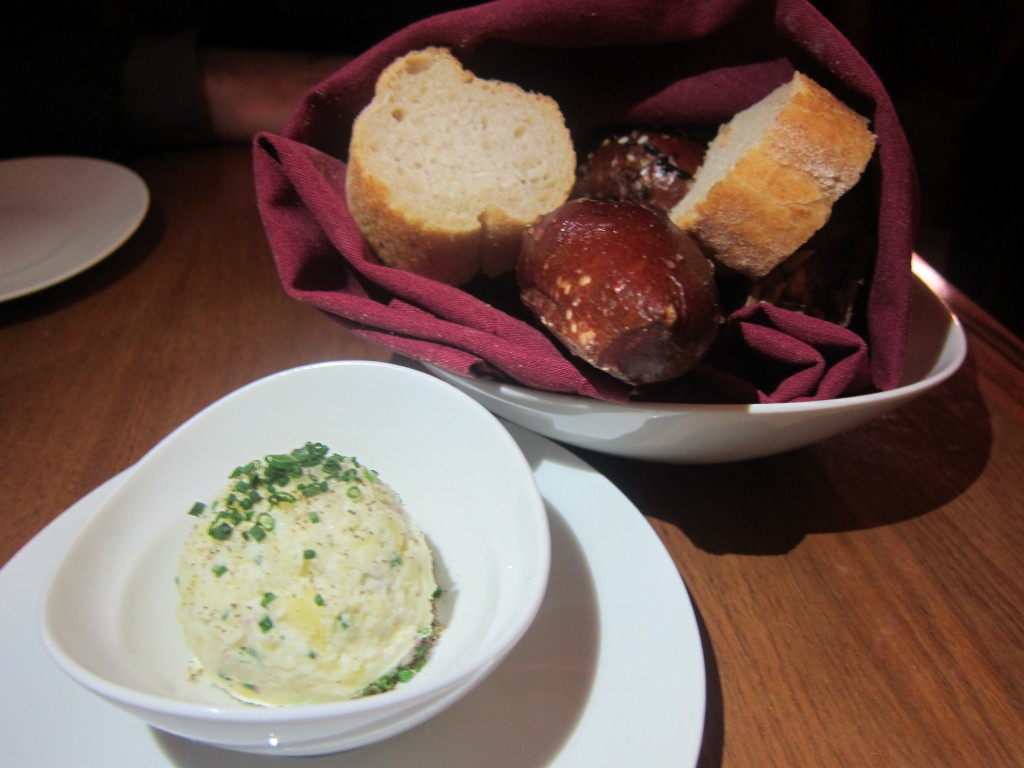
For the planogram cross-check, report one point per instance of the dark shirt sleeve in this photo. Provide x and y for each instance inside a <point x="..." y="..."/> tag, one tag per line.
<point x="160" y="95"/>
<point x="60" y="92"/>
<point x="98" y="91"/>
<point x="105" y="78"/>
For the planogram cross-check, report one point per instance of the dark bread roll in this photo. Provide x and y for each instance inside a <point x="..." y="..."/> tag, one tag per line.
<point x="621" y="287"/>
<point x="826" y="275"/>
<point x="653" y="167"/>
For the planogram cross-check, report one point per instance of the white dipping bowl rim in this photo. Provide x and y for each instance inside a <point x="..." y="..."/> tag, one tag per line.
<point x="410" y="703"/>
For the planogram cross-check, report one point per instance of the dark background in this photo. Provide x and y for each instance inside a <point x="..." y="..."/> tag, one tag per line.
<point x="955" y="71"/>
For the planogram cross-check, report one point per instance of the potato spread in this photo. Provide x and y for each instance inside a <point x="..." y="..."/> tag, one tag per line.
<point x="305" y="581"/>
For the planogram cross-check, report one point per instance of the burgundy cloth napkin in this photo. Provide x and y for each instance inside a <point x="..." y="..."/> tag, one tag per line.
<point x="604" y="62"/>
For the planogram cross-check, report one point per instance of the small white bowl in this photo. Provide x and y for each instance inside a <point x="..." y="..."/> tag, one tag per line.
<point x="706" y="434"/>
<point x="109" y="615"/>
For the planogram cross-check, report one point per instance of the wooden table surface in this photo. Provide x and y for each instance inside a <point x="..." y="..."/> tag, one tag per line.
<point x="861" y="601"/>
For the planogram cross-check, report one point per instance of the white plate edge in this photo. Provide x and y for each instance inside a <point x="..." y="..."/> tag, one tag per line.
<point x="683" y="744"/>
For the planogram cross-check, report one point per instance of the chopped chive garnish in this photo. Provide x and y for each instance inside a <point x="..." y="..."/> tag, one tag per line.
<point x="268" y="598"/>
<point x="312" y="489"/>
<point x="266" y="624"/>
<point x="280" y="460"/>
<point x="282" y="478"/>
<point x="250" y="651"/>
<point x="319" y="599"/>
<point x="403" y="674"/>
<point x="219" y="570"/>
<point x="220" y="531"/>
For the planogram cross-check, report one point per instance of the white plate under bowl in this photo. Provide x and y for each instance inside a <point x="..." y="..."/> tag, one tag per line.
<point x="557" y="701"/>
<point x="61" y="215"/>
<point x="703" y="434"/>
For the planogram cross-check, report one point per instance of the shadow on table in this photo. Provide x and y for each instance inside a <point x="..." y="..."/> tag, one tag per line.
<point x="712" y="745"/>
<point x="133" y="252"/>
<point x="903" y="465"/>
<point x="900" y="466"/>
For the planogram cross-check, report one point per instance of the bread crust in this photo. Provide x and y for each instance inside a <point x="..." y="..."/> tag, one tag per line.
<point x="781" y="189"/>
<point x="406" y="242"/>
<point x="476" y="188"/>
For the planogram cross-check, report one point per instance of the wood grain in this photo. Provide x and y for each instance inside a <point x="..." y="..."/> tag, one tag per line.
<point x="860" y="600"/>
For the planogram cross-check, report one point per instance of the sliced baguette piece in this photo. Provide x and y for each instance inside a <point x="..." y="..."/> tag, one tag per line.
<point x="446" y="170"/>
<point x="771" y="175"/>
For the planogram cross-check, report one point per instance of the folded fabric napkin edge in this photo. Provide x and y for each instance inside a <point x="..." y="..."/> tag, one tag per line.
<point x="891" y="277"/>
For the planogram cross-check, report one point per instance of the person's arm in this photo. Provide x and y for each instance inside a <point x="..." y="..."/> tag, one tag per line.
<point x="99" y="95"/>
<point x="250" y="91"/>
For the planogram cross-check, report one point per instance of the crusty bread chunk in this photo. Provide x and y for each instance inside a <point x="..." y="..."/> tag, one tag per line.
<point x="771" y="175"/>
<point x="446" y="170"/>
